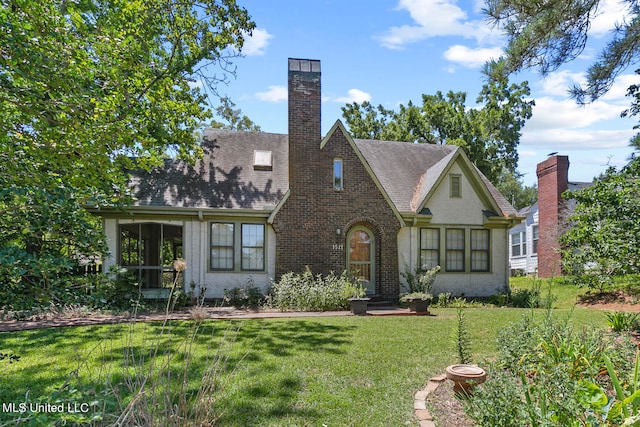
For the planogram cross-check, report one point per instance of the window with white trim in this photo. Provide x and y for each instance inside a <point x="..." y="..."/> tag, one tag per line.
<point x="519" y="243"/>
<point x="534" y="238"/>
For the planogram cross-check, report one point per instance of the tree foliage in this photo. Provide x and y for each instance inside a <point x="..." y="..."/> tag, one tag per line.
<point x="604" y="238"/>
<point x="87" y="85"/>
<point x="547" y="34"/>
<point x="233" y="117"/>
<point x="512" y="187"/>
<point x="489" y="134"/>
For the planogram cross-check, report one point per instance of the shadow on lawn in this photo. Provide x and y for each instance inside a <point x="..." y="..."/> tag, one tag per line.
<point x="274" y="390"/>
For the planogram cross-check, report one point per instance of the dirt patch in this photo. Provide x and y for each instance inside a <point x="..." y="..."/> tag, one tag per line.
<point x="611" y="301"/>
<point x="446" y="409"/>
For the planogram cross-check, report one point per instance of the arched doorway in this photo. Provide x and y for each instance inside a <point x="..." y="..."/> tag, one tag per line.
<point x="361" y="257"/>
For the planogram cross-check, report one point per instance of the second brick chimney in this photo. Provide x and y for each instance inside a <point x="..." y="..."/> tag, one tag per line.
<point x="553" y="180"/>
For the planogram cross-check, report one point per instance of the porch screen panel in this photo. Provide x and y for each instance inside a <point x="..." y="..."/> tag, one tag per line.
<point x="429" y="248"/>
<point x="252" y="247"/>
<point x="455" y="250"/>
<point x="480" y="250"/>
<point x="222" y="246"/>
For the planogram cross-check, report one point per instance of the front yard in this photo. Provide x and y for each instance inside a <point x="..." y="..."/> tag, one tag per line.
<point x="333" y="371"/>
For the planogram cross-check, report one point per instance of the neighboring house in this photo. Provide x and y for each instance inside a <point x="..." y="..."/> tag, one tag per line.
<point x="523" y="243"/>
<point x="534" y="242"/>
<point x="259" y="205"/>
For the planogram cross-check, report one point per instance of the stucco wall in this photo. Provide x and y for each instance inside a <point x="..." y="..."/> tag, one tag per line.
<point x="196" y="253"/>
<point x="470" y="284"/>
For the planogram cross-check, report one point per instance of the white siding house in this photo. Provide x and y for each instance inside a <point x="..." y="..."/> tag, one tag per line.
<point x="523" y="243"/>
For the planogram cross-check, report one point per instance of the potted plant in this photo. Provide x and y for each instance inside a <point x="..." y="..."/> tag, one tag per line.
<point x="356" y="295"/>
<point x="464" y="375"/>
<point x="419" y="285"/>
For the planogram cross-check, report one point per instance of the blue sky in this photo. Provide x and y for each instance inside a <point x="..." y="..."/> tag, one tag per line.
<point x="391" y="51"/>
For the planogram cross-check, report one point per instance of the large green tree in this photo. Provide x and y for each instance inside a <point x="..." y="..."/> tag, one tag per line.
<point x="604" y="238"/>
<point x="85" y="86"/>
<point x="489" y="134"/>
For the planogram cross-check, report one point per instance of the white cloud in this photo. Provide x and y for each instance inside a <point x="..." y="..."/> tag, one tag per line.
<point x="274" y="94"/>
<point x="559" y="82"/>
<point x="432" y="18"/>
<point x="575" y="139"/>
<point x="471" y="58"/>
<point x="558" y="115"/>
<point x="255" y="44"/>
<point x="610" y="13"/>
<point x="353" y="95"/>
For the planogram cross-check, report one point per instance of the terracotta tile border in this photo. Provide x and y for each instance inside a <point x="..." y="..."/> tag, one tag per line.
<point x="419" y="404"/>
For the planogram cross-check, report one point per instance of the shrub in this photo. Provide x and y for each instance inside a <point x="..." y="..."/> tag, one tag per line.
<point x="306" y="292"/>
<point x="540" y="373"/>
<point x="621" y="321"/>
<point x="242" y="297"/>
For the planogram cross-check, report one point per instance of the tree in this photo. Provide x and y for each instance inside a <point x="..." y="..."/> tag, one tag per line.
<point x="234" y="118"/>
<point x="85" y="86"/>
<point x="604" y="238"/>
<point x="512" y="187"/>
<point x="489" y="135"/>
<point x="547" y="34"/>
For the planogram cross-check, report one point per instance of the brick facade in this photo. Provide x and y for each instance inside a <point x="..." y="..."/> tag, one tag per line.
<point x="313" y="224"/>
<point x="553" y="180"/>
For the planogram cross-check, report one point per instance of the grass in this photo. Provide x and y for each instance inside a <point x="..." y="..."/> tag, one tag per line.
<point x="337" y="371"/>
<point x="565" y="294"/>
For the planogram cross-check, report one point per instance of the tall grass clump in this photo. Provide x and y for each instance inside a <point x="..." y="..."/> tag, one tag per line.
<point x="309" y="292"/>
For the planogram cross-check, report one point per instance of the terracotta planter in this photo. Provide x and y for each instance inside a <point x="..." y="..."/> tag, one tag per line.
<point x="465" y="377"/>
<point x="419" y="306"/>
<point x="359" y="305"/>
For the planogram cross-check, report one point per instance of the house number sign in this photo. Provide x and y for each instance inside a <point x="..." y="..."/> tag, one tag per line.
<point x="338" y="247"/>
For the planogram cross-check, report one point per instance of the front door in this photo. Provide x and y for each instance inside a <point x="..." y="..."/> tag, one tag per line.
<point x="360" y="257"/>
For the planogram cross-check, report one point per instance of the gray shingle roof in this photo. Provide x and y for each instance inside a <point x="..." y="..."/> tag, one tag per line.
<point x="224" y="178"/>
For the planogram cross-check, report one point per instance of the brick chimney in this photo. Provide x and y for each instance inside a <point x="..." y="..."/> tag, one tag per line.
<point x="553" y="180"/>
<point x="304" y="121"/>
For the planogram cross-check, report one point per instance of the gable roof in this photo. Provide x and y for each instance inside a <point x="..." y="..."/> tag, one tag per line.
<point x="224" y="178"/>
<point x="410" y="172"/>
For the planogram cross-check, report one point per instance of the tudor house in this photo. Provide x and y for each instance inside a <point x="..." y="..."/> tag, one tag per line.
<point x="259" y="205"/>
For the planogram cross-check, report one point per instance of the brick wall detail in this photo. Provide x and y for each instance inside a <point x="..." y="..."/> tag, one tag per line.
<point x="312" y="225"/>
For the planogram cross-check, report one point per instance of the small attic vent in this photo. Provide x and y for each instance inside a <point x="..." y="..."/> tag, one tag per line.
<point x="262" y="160"/>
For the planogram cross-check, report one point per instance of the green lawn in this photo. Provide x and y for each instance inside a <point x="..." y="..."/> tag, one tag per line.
<point x="338" y="371"/>
<point x="565" y="294"/>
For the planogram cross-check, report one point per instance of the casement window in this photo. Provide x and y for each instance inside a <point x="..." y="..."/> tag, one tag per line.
<point x="148" y="250"/>
<point x="519" y="243"/>
<point x="454" y="253"/>
<point x="480" y="250"/>
<point x="237" y="246"/>
<point x="338" y="183"/>
<point x="429" y="248"/>
<point x="455" y="186"/>
<point x="534" y="237"/>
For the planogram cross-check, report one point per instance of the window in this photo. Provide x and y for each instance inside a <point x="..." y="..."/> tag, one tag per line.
<point x="429" y="248"/>
<point x="148" y="250"/>
<point x="479" y="250"/>
<point x="519" y="243"/>
<point x="231" y="242"/>
<point x="455" y="186"/>
<point x="454" y="255"/>
<point x="222" y="246"/>
<point x="252" y="247"/>
<point x="534" y="236"/>
<point x="337" y="174"/>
